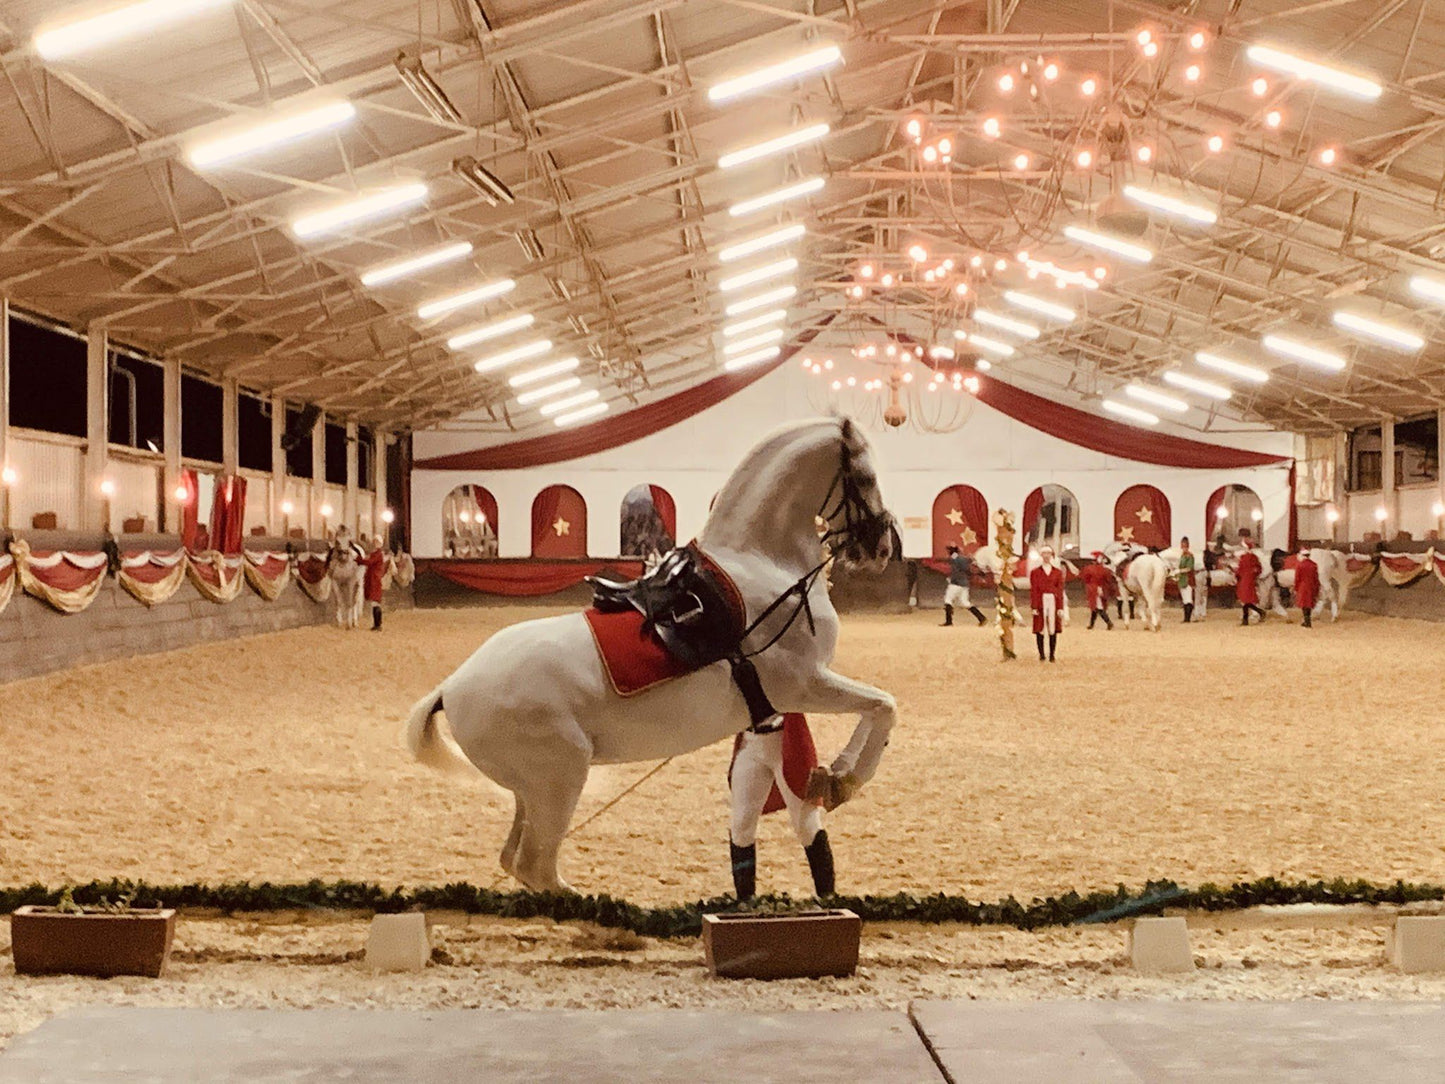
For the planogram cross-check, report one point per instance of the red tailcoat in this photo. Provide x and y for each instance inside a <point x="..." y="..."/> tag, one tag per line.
<point x="1043" y="583"/>
<point x="375" y="565"/>
<point x="1098" y="584"/>
<point x="1246" y="588"/>
<point x="1306" y="583"/>
<point x="800" y="757"/>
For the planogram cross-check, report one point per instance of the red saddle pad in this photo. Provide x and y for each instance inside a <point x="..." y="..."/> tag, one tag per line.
<point x="634" y="659"/>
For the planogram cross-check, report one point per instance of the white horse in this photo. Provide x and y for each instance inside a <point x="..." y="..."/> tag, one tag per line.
<point x="533" y="708"/>
<point x="1334" y="583"/>
<point x="345" y="580"/>
<point x="1143" y="580"/>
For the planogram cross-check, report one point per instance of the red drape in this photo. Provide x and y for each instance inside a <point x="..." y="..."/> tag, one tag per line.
<point x="228" y="513"/>
<point x="190" y="522"/>
<point x="524" y="578"/>
<point x="486" y="505"/>
<point x="1111" y="437"/>
<point x="1141" y="515"/>
<point x="615" y="430"/>
<point x="1212" y="519"/>
<point x="559" y="524"/>
<point x="1033" y="505"/>
<point x="666" y="509"/>
<point x="960" y="518"/>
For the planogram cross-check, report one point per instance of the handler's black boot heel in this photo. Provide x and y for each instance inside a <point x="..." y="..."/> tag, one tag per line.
<point x="947" y="616"/>
<point x="745" y="870"/>
<point x="1188" y="612"/>
<point x="1039" y="639"/>
<point x="820" y="862"/>
<point x="978" y="614"/>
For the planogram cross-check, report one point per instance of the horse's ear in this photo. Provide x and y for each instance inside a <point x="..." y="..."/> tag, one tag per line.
<point x="845" y="426"/>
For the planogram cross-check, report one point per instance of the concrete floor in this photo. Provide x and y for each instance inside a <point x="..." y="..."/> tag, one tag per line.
<point x="978" y="1042"/>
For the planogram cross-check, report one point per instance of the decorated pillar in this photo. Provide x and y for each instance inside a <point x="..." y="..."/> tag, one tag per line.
<point x="1391" y="526"/>
<point x="7" y="471"/>
<point x="1003" y="523"/>
<point x="379" y="495"/>
<point x="280" y="519"/>
<point x="94" y="504"/>
<point x="316" y="523"/>
<point x="171" y="440"/>
<point x="351" y="512"/>
<point x="230" y="426"/>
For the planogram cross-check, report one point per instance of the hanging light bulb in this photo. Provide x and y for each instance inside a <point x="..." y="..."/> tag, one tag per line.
<point x="1198" y="40"/>
<point x="1260" y="87"/>
<point x="1151" y="50"/>
<point x="1006" y="82"/>
<point x="1215" y="144"/>
<point x="1021" y="161"/>
<point x="1192" y="73"/>
<point x="1144" y="153"/>
<point x="1273" y="118"/>
<point x="1051" y="72"/>
<point x="1328" y="156"/>
<point x="1085" y="158"/>
<point x="1089" y="87"/>
<point x="991" y="127"/>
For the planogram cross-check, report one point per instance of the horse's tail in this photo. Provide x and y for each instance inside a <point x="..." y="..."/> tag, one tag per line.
<point x="429" y="744"/>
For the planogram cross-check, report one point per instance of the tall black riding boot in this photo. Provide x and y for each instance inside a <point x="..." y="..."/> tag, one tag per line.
<point x="375" y="617"/>
<point x="1119" y="606"/>
<point x="1039" y="639"/>
<point x="745" y="870"/>
<point x="1309" y="618"/>
<point x="1244" y="614"/>
<point x="1053" y="639"/>
<point x="947" y="616"/>
<point x="820" y="862"/>
<point x="1188" y="612"/>
<point x="977" y="613"/>
<point x="1104" y="613"/>
<point x="1093" y="616"/>
<point x="1131" y="610"/>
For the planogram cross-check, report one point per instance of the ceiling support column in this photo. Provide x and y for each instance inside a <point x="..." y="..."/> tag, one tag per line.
<point x="94" y="504"/>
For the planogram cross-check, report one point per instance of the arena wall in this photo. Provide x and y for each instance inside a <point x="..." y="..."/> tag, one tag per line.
<point x="1001" y="457"/>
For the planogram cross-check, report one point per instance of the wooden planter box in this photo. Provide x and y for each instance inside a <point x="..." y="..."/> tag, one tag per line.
<point x="45" y="941"/>
<point x="805" y="945"/>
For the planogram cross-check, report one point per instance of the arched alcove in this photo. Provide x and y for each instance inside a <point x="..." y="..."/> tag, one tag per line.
<point x="960" y="518"/>
<point x="1232" y="510"/>
<point x="1051" y="518"/>
<point x="649" y="521"/>
<point x="1141" y="516"/>
<point x="469" y="522"/>
<point x="559" y="523"/>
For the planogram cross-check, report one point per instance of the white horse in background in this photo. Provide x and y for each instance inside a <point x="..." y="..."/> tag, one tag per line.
<point x="1334" y="582"/>
<point x="533" y="708"/>
<point x="1143" y="580"/>
<point x="345" y="579"/>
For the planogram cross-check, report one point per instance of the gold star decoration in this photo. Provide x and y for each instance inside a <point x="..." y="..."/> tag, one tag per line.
<point x="969" y="536"/>
<point x="955" y="517"/>
<point x="1145" y="514"/>
<point x="561" y="526"/>
<point x="1126" y="534"/>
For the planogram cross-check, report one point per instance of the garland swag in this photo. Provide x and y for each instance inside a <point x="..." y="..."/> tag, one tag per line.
<point x="685" y="920"/>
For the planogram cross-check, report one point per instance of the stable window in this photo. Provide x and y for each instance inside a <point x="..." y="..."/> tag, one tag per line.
<point x="365" y="458"/>
<point x="201" y="408"/>
<point x="253" y="432"/>
<point x="1366" y="447"/>
<point x="300" y="421"/>
<point x="1417" y="451"/>
<point x="47" y="379"/>
<point x="335" y="454"/>
<point x="137" y="401"/>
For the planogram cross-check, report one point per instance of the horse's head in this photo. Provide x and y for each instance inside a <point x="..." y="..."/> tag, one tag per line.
<point x="860" y="529"/>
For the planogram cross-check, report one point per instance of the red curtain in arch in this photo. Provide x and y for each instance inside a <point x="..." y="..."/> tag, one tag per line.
<point x="960" y="518"/>
<point x="559" y="523"/>
<point x="228" y="513"/>
<point x="1033" y="505"/>
<point x="190" y="518"/>
<point x="486" y="505"/>
<point x="1141" y="515"/>
<point x="1211" y="512"/>
<point x="666" y="509"/>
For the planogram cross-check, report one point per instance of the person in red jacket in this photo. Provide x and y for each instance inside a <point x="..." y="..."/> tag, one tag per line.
<point x="1046" y="595"/>
<point x="374" y="566"/>
<point x="1306" y="586"/>
<point x="1098" y="581"/>
<point x="1246" y="587"/>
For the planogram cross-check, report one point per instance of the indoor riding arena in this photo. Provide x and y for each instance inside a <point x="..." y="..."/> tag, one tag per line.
<point x="663" y="540"/>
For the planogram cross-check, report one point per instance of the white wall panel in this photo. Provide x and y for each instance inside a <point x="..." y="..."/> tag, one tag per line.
<point x="137" y="488"/>
<point x="49" y="480"/>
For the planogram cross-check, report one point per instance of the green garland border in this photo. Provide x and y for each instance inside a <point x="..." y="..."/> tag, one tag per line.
<point x="685" y="920"/>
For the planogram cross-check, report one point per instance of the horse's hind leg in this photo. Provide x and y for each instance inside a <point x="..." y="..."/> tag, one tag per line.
<point x="550" y="799"/>
<point x="514" y="837"/>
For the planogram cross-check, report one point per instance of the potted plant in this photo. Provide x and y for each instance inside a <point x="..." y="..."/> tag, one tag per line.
<point x="781" y="945"/>
<point x="110" y="938"/>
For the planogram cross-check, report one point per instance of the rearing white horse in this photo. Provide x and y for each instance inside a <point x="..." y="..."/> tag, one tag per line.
<point x="533" y="708"/>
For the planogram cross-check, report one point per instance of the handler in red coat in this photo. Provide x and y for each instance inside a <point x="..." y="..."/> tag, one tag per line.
<point x="1046" y="595"/>
<point x="1246" y="587"/>
<point x="1307" y="586"/>
<point x="375" y="565"/>
<point x="1098" y="582"/>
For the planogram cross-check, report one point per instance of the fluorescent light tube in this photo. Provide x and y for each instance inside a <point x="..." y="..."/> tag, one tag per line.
<point x="1132" y="413"/>
<point x="742" y="346"/>
<point x="758" y="274"/>
<point x="984" y="343"/>
<point x="744" y="361"/>
<point x="1357" y="86"/>
<point x="1117" y="245"/>
<point x="815" y="60"/>
<point x="517" y="353"/>
<point x="1398" y="337"/>
<point x="1051" y="309"/>
<point x="1172" y="205"/>
<point x="546" y="391"/>
<point x="556" y="406"/>
<point x="1156" y="398"/>
<point x="771" y="239"/>
<point x="1300" y="351"/>
<point x="475" y="296"/>
<point x="777" y="145"/>
<point x="1194" y="384"/>
<point x="542" y="372"/>
<point x="1005" y="323"/>
<point x="270" y="133"/>
<point x="1428" y="288"/>
<point x="133" y="20"/>
<point x="493" y="330"/>
<point x="757" y="301"/>
<point x="579" y="415"/>
<point x="1234" y="368"/>
<point x="749" y="324"/>
<point x="370" y="205"/>
<point x="400" y="269"/>
<point x="776" y="196"/>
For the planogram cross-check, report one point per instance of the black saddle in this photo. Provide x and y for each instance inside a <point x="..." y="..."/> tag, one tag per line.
<point x="688" y="604"/>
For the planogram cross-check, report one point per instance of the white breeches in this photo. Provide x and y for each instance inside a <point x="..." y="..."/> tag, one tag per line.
<point x="956" y="595"/>
<point x="758" y="766"/>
